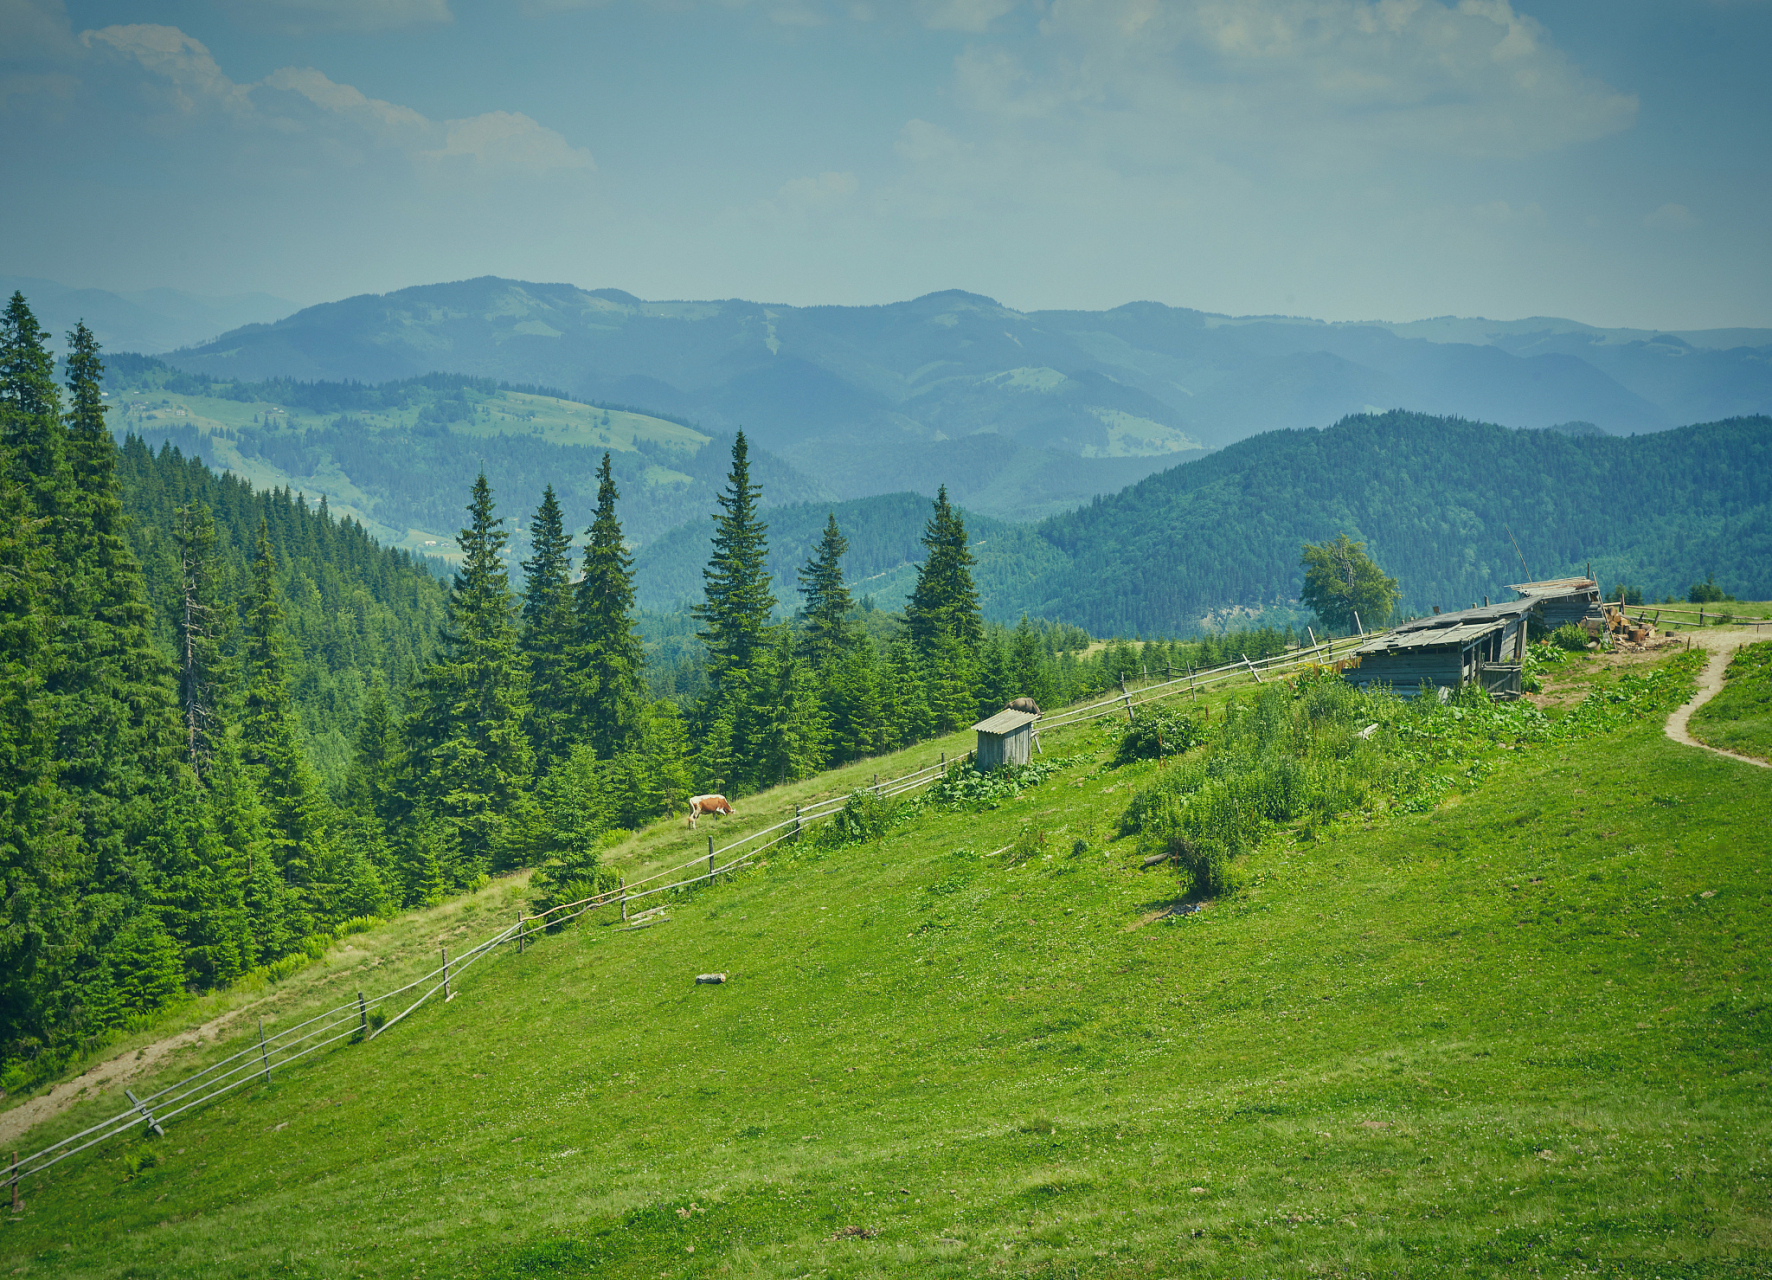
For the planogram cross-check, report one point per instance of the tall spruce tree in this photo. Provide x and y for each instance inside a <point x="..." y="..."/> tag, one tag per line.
<point x="475" y="757"/>
<point x="269" y="741"/>
<point x="737" y="599"/>
<point x="202" y="623"/>
<point x="608" y="654"/>
<point x="944" y="603"/>
<point x="547" y="636"/>
<point x="31" y="427"/>
<point x="828" y="631"/>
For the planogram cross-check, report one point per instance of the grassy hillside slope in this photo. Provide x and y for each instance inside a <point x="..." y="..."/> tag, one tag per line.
<point x="1521" y="1032"/>
<point x="1740" y="717"/>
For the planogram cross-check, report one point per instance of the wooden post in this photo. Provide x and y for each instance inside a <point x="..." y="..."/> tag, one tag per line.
<point x="622" y="881"/>
<point x="796" y="820"/>
<point x="1129" y="715"/>
<point x="1357" y="626"/>
<point x="153" y="1124"/>
<point x="263" y="1057"/>
<point x="1313" y="635"/>
<point x="1252" y="670"/>
<point x="15" y="1203"/>
<point x="519" y="933"/>
<point x="446" y="996"/>
<point x="710" y="857"/>
<point x="363" y="1013"/>
<point x="1192" y="685"/>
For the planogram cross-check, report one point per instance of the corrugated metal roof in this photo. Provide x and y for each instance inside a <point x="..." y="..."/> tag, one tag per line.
<point x="1429" y="639"/>
<point x="1486" y="613"/>
<point x="1005" y="722"/>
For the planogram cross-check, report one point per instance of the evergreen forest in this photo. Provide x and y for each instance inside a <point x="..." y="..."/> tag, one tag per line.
<point x="234" y="728"/>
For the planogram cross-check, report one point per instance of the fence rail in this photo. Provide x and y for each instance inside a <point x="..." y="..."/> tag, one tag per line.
<point x="351" y="1021"/>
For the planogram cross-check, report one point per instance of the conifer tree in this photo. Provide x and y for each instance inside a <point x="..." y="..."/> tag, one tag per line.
<point x="201" y="624"/>
<point x="270" y="745"/>
<point x="30" y="410"/>
<point x="738" y="600"/>
<point x="828" y="632"/>
<point x="795" y="724"/>
<point x="547" y="637"/>
<point x="944" y="602"/>
<point x="468" y="733"/>
<point x="608" y="654"/>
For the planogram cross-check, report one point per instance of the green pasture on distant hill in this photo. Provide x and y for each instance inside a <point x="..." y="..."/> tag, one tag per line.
<point x="1513" y="1023"/>
<point x="1739" y="718"/>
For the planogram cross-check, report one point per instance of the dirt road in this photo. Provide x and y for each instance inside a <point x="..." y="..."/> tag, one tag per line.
<point x="1722" y="644"/>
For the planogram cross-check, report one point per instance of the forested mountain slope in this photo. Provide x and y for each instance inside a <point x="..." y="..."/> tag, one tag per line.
<point x="1435" y="498"/>
<point x="356" y="613"/>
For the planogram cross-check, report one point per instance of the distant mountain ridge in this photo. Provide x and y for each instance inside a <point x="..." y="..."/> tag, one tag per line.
<point x="148" y="321"/>
<point x="1440" y="502"/>
<point x="856" y="396"/>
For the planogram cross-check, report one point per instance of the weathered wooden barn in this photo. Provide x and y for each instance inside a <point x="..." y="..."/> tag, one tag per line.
<point x="1449" y="650"/>
<point x="1005" y="738"/>
<point x="1557" y="602"/>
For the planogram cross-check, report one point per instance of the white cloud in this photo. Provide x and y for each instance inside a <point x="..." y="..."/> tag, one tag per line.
<point x="1671" y="217"/>
<point x="31" y="29"/>
<point x="512" y="141"/>
<point x="303" y="16"/>
<point x="1474" y="78"/>
<point x="344" y="122"/>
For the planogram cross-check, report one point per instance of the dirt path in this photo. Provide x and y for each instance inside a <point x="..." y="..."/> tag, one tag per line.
<point x="1722" y="645"/>
<point x="112" y="1072"/>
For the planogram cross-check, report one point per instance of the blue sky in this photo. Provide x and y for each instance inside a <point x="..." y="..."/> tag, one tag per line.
<point x="1395" y="159"/>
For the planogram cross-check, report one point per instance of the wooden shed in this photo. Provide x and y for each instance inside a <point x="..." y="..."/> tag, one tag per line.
<point x="1558" y="602"/>
<point x="1005" y="738"/>
<point x="1449" y="650"/>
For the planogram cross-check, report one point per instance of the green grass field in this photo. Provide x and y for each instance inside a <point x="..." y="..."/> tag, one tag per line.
<point x="1740" y="717"/>
<point x="1523" y="1032"/>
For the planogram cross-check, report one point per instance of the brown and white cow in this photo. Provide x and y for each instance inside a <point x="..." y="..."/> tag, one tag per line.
<point x="700" y="805"/>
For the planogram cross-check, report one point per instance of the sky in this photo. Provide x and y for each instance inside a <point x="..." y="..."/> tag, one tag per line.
<point x="1344" y="159"/>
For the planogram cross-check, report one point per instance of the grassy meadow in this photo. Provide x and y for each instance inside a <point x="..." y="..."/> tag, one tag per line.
<point x="1520" y="1030"/>
<point x="1739" y="718"/>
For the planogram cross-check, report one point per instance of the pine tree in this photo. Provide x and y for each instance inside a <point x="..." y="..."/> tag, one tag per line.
<point x="468" y="735"/>
<point x="269" y="742"/>
<point x="608" y="654"/>
<point x="737" y="600"/>
<point x="828" y="632"/>
<point x="30" y="410"/>
<point x="547" y="637"/>
<point x="202" y="625"/>
<point x="944" y="603"/>
<point x="797" y="727"/>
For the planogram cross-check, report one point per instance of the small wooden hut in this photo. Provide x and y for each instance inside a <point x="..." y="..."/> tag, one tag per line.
<point x="1558" y="602"/>
<point x="1448" y="650"/>
<point x="1005" y="738"/>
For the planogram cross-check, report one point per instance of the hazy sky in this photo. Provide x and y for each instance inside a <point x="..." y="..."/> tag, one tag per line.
<point x="1607" y="160"/>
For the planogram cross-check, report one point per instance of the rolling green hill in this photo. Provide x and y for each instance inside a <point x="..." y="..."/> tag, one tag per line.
<point x="1466" y="1034"/>
<point x="400" y="456"/>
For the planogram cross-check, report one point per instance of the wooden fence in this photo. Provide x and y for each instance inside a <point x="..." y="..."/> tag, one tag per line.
<point x="351" y="1021"/>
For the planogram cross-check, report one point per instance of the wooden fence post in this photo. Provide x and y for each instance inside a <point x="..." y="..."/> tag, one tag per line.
<point x="1252" y="670"/>
<point x="152" y="1123"/>
<point x="1193" y="686"/>
<point x="15" y="1203"/>
<point x="363" y="1012"/>
<point x="263" y="1057"/>
<point x="710" y="858"/>
<point x="1313" y="635"/>
<point x="622" y="881"/>
<point x="519" y="933"/>
<point x="446" y="996"/>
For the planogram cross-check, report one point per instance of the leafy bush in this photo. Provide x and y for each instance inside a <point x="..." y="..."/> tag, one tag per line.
<point x="964" y="786"/>
<point x="1570" y="638"/>
<point x="1158" y="732"/>
<point x="865" y="817"/>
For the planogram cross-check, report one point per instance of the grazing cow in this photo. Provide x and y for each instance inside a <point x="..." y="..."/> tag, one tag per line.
<point x="699" y="805"/>
<point x="1024" y="704"/>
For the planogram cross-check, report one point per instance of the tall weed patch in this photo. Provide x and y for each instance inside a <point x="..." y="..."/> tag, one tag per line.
<point x="1316" y="749"/>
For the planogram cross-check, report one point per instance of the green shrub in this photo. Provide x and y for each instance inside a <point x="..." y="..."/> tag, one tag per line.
<point x="1570" y="638"/>
<point x="865" y="817"/>
<point x="1158" y="732"/>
